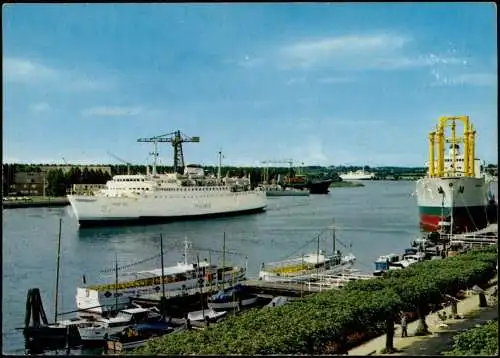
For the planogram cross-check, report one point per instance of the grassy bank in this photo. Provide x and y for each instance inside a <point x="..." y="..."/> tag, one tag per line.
<point x="346" y="184"/>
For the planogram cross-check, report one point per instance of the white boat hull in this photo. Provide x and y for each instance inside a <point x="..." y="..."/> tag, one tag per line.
<point x="233" y="304"/>
<point x="99" y="209"/>
<point x="97" y="301"/>
<point x="287" y="193"/>
<point x="98" y="333"/>
<point x="303" y="275"/>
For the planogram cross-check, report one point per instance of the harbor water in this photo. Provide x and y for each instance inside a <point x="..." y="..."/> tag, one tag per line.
<point x="377" y="219"/>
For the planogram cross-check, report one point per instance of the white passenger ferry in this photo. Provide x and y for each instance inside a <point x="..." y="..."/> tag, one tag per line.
<point x="171" y="196"/>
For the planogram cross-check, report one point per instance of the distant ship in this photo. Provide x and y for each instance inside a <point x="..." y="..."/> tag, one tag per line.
<point x="172" y="196"/>
<point x="357" y="175"/>
<point x="454" y="194"/>
<point x="278" y="190"/>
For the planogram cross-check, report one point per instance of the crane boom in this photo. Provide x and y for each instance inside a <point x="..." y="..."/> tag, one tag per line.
<point x="176" y="138"/>
<point x="121" y="160"/>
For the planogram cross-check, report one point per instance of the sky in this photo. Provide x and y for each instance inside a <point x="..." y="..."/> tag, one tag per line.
<point x="322" y="84"/>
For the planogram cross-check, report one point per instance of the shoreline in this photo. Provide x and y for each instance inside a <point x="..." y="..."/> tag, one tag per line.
<point x="35" y="202"/>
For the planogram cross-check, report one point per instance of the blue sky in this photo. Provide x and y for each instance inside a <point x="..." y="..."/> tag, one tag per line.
<point x="325" y="84"/>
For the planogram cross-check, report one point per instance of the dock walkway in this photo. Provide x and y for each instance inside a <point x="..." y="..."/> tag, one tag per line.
<point x="442" y="332"/>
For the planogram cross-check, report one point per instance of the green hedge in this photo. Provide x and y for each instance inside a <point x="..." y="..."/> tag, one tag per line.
<point x="476" y="341"/>
<point x="316" y="323"/>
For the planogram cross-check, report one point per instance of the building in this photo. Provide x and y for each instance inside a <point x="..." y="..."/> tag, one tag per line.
<point x="28" y="183"/>
<point x="87" y="188"/>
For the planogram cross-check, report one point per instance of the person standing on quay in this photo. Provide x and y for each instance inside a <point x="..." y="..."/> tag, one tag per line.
<point x="404" y="326"/>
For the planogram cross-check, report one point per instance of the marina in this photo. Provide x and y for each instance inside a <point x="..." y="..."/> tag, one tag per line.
<point x="128" y="308"/>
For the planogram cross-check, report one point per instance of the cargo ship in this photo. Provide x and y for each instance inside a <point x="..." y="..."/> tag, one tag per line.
<point x="454" y="194"/>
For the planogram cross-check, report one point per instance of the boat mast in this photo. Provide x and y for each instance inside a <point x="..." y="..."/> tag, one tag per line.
<point x="317" y="258"/>
<point x="162" y="276"/>
<point x="116" y="282"/>
<point x="220" y="166"/>
<point x="200" y="282"/>
<point x="57" y="269"/>
<point x="186" y="247"/>
<point x="223" y="259"/>
<point x="333" y="237"/>
<point x="155" y="155"/>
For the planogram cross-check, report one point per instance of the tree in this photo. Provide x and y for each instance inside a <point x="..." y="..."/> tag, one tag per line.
<point x="56" y="183"/>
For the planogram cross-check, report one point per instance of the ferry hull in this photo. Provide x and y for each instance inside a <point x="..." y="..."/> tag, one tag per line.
<point x="150" y="220"/>
<point x="103" y="211"/>
<point x="465" y="198"/>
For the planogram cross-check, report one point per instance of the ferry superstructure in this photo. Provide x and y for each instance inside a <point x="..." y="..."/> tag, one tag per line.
<point x="170" y="196"/>
<point x="454" y="192"/>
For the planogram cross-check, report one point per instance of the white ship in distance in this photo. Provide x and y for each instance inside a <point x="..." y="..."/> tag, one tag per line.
<point x="187" y="193"/>
<point x="357" y="175"/>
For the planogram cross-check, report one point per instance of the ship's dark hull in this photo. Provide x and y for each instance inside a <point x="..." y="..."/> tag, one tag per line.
<point x="315" y="187"/>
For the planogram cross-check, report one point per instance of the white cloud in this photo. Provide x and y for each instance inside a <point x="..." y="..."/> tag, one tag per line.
<point x="377" y="51"/>
<point x="295" y="81"/>
<point x="41" y="107"/>
<point x="20" y="70"/>
<point x="464" y="79"/>
<point x="352" y="50"/>
<point x="330" y="80"/>
<point x="28" y="72"/>
<point x="310" y="153"/>
<point x="106" y="111"/>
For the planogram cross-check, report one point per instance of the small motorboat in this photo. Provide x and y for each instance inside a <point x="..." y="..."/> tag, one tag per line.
<point x="137" y="335"/>
<point x="279" y="301"/>
<point x="200" y="316"/>
<point x="232" y="298"/>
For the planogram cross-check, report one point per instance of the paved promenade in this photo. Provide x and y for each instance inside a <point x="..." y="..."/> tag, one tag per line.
<point x="441" y="338"/>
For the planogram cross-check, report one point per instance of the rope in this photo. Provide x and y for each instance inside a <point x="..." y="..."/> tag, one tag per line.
<point x="112" y="269"/>
<point x="468" y="213"/>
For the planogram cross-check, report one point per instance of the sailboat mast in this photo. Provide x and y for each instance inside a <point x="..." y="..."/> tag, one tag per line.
<point x="317" y="258"/>
<point x="200" y="282"/>
<point x="220" y="167"/>
<point x="57" y="269"/>
<point x="333" y="238"/>
<point x="116" y="282"/>
<point x="162" y="269"/>
<point x="223" y="259"/>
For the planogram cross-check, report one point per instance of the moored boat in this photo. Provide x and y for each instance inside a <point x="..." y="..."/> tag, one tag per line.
<point x="100" y="298"/>
<point x="302" y="267"/>
<point x="455" y="190"/>
<point x="202" y="315"/>
<point x="188" y="193"/>
<point x="235" y="297"/>
<point x="278" y="190"/>
<point x="137" y="335"/>
<point x="102" y="328"/>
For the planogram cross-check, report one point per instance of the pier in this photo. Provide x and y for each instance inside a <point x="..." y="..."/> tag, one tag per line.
<point x="34" y="202"/>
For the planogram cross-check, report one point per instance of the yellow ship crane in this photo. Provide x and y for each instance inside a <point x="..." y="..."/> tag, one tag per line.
<point x="176" y="138"/>
<point x="438" y="138"/>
